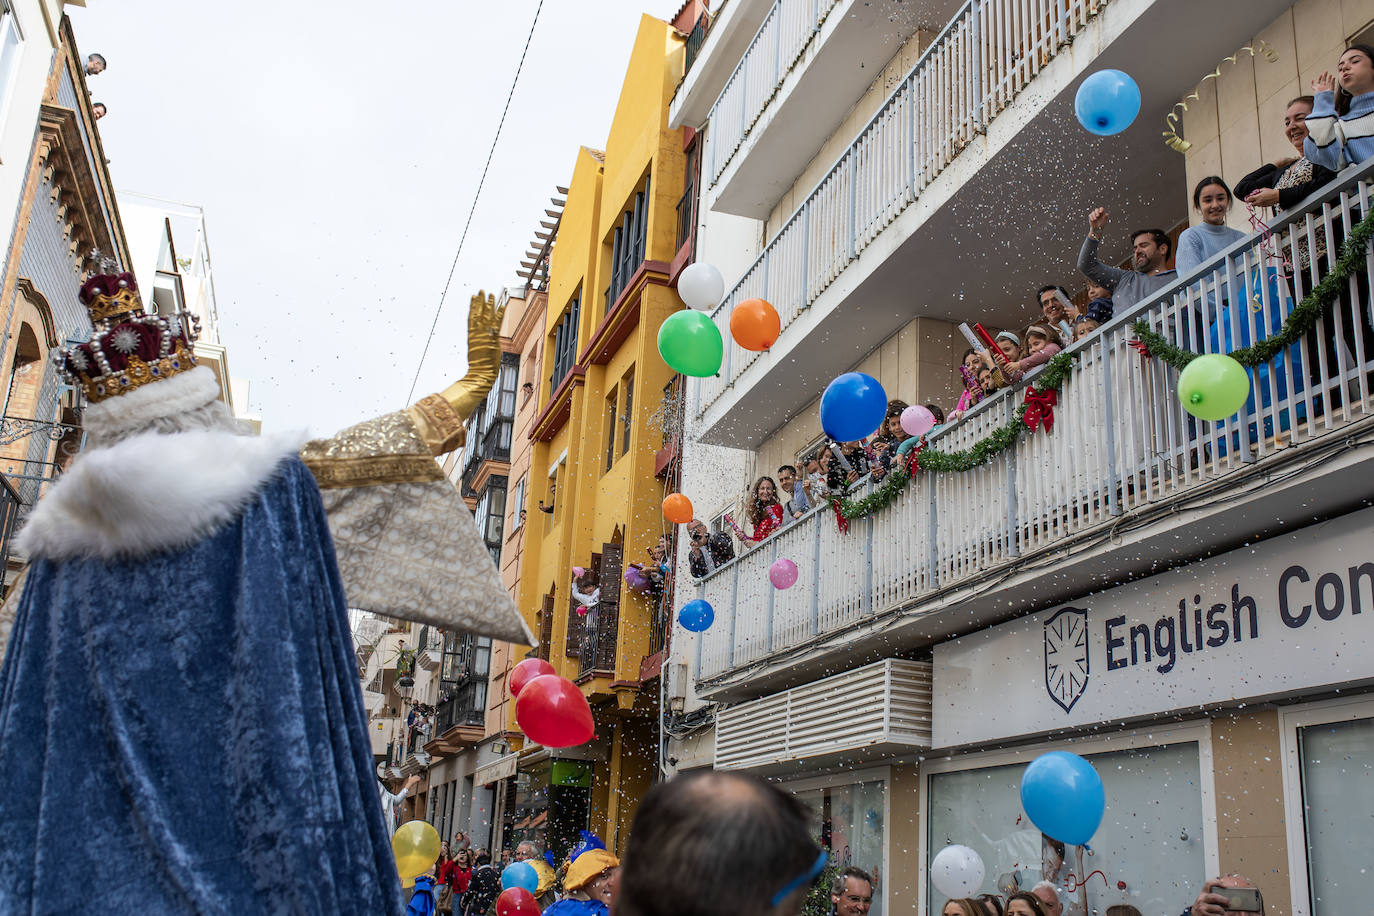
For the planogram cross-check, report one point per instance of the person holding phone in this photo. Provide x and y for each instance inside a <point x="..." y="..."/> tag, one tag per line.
<point x="1231" y="895"/>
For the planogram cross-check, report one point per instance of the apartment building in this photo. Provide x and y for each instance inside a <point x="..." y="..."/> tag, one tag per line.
<point x="594" y="482"/>
<point x="65" y="208"/>
<point x="881" y="171"/>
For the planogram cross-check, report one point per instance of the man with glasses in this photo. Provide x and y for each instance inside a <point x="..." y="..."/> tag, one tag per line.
<point x="852" y="892"/>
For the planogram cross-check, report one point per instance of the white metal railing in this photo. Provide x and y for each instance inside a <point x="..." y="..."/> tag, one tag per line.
<point x="782" y="37"/>
<point x="974" y="68"/>
<point x="1121" y="441"/>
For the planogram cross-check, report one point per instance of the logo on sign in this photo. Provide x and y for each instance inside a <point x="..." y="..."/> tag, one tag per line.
<point x="1066" y="656"/>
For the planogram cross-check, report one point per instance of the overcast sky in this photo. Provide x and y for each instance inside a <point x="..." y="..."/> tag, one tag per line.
<point x="336" y="150"/>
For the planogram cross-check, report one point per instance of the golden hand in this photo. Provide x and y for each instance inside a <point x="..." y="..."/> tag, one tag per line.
<point x="439" y="423"/>
<point x="484" y="356"/>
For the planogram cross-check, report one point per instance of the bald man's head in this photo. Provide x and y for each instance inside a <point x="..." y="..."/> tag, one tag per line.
<point x="714" y="842"/>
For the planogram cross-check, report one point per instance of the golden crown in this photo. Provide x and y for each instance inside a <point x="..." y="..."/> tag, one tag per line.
<point x="128" y="348"/>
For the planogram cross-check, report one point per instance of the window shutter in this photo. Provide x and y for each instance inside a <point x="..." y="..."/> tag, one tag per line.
<point x="546" y="627"/>
<point x="576" y="626"/>
<point x="609" y="623"/>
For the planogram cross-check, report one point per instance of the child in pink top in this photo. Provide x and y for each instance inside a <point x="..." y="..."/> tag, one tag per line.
<point x="1042" y="344"/>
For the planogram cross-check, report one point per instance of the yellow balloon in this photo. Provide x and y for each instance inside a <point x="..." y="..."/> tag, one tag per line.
<point x="416" y="846"/>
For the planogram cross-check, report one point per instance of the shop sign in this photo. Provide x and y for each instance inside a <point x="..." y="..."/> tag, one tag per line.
<point x="1290" y="614"/>
<point x="495" y="771"/>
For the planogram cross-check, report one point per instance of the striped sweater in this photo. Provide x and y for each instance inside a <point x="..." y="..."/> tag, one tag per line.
<point x="1336" y="141"/>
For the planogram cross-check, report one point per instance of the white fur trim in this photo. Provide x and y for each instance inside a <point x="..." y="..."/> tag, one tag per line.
<point x="152" y="492"/>
<point x="176" y="395"/>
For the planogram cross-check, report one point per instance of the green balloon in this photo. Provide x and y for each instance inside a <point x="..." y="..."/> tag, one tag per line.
<point x="690" y="343"/>
<point x="1214" y="386"/>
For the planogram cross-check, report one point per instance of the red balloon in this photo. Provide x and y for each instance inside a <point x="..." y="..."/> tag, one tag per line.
<point x="553" y="712"/>
<point x="526" y="671"/>
<point x="517" y="902"/>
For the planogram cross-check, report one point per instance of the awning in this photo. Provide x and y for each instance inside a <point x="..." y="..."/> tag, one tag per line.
<point x="499" y="769"/>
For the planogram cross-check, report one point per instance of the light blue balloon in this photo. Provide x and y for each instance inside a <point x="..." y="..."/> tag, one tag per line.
<point x="696" y="615"/>
<point x="1063" y="797"/>
<point x="1107" y="102"/>
<point x="852" y="406"/>
<point x="520" y="874"/>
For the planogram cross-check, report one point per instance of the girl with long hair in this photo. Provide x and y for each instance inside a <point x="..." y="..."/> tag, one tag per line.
<point x="764" y="512"/>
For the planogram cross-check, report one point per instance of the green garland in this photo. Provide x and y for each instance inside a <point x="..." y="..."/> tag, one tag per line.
<point x="981" y="452"/>
<point x="1300" y="320"/>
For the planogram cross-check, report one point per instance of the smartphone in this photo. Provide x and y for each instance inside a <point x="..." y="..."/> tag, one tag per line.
<point x="1239" y="899"/>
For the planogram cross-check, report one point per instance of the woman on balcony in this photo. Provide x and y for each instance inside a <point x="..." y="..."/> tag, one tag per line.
<point x="1340" y="127"/>
<point x="586" y="589"/>
<point x="764" y="512"/>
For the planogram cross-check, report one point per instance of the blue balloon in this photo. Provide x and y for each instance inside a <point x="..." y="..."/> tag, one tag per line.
<point x="696" y="615"/>
<point x="1107" y="102"/>
<point x="853" y="406"/>
<point x="1063" y="797"/>
<point x="520" y="874"/>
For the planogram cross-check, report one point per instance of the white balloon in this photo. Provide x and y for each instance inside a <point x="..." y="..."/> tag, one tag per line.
<point x="701" y="286"/>
<point x="957" y="871"/>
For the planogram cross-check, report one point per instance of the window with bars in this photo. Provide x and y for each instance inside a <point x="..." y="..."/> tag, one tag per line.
<point x="490" y="515"/>
<point x="564" y="343"/>
<point x="610" y="428"/>
<point x="517" y="501"/>
<point x="627" y="388"/>
<point x="627" y="244"/>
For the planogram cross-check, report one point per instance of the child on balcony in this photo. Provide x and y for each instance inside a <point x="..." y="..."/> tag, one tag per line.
<point x="973" y="388"/>
<point x="586" y="590"/>
<point x="890" y="435"/>
<point x="1042" y="342"/>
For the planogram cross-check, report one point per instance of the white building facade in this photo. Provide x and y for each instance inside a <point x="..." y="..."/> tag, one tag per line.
<point x="882" y="171"/>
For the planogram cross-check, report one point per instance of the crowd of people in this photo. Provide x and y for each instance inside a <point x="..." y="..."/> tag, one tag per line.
<point x="1328" y="130"/>
<point x="726" y="842"/>
<point x="467" y="882"/>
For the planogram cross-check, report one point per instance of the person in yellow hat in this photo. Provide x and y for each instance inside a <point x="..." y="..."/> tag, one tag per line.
<point x="547" y="879"/>
<point x="589" y="882"/>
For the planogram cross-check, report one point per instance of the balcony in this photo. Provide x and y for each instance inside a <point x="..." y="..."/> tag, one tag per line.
<point x="799" y="79"/>
<point x="1127" y="484"/>
<point x="596" y="647"/>
<point x="959" y="167"/>
<point x="459" y="722"/>
<point x="733" y="26"/>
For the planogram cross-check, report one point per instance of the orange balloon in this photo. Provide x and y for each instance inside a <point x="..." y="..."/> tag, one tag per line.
<point x="755" y="324"/>
<point x="677" y="508"/>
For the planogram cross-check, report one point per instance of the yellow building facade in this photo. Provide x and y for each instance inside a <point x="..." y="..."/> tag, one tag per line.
<point x="593" y="497"/>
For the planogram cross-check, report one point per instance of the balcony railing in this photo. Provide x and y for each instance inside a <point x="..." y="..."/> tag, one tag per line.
<point x="597" y="644"/>
<point x="465" y="708"/>
<point x="786" y="31"/>
<point x="695" y="39"/>
<point x="979" y="63"/>
<point x="1121" y="441"/>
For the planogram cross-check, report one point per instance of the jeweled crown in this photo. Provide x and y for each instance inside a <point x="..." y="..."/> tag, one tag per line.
<point x="128" y="348"/>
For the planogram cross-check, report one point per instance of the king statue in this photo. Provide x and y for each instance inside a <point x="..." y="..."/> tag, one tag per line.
<point x="181" y="720"/>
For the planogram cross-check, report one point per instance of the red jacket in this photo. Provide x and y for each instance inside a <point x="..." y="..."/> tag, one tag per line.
<point x="454" y="877"/>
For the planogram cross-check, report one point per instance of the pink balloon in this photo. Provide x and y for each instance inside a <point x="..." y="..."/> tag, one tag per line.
<point x="783" y="573"/>
<point x="917" y="421"/>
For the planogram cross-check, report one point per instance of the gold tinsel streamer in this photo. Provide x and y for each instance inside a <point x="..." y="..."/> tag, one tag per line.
<point x="1171" y="137"/>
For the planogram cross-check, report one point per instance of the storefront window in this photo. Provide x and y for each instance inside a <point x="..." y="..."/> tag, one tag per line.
<point x="849" y="823"/>
<point x="1337" y="761"/>
<point x="1148" y="852"/>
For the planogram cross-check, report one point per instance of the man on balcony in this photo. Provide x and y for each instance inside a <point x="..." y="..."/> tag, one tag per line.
<point x="708" y="551"/>
<point x="1151" y="253"/>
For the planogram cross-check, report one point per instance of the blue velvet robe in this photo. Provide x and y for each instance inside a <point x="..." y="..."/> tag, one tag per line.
<point x="185" y="733"/>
